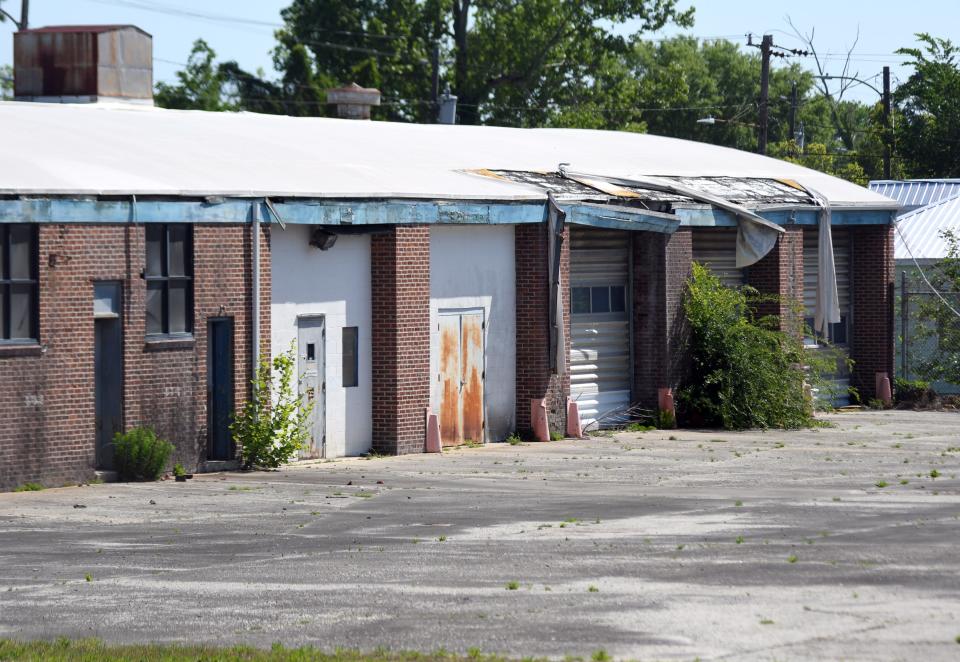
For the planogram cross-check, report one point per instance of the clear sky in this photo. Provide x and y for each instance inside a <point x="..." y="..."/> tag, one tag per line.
<point x="884" y="26"/>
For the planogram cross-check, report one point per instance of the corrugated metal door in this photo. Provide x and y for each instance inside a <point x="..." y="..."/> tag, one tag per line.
<point x="313" y="384"/>
<point x="600" y="324"/>
<point x="839" y="333"/>
<point x="461" y="376"/>
<point x="716" y="248"/>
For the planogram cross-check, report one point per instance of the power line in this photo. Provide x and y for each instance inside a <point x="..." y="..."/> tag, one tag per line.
<point x="922" y="274"/>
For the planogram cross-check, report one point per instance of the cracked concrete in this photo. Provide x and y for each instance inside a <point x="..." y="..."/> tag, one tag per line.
<point x="717" y="545"/>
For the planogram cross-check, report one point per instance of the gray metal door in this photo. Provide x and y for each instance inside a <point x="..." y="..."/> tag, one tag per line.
<point x="311" y="369"/>
<point x="600" y="324"/>
<point x="108" y="369"/>
<point x="219" y="388"/>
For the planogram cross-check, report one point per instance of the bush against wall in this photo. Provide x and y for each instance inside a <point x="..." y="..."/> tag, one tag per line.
<point x="140" y="455"/>
<point x="745" y="372"/>
<point x="273" y="424"/>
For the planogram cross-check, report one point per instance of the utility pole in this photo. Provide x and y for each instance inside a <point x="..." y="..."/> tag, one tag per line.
<point x="24" y="15"/>
<point x="765" y="46"/>
<point x="435" y="80"/>
<point x="793" y="111"/>
<point x="887" y="124"/>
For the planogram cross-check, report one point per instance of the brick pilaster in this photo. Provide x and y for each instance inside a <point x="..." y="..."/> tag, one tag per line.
<point x="534" y="378"/>
<point x="780" y="273"/>
<point x="661" y="268"/>
<point x="871" y="346"/>
<point x="400" y="264"/>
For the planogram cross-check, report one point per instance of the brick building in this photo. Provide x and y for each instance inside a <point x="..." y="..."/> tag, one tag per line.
<point x="410" y="268"/>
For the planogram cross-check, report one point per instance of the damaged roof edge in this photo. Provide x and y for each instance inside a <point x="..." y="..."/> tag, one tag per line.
<point x="346" y="211"/>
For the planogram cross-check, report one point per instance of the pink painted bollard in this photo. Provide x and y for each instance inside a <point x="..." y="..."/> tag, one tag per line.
<point x="665" y="401"/>
<point x="538" y="420"/>
<point x="574" y="428"/>
<point x="433" y="434"/>
<point x="884" y="393"/>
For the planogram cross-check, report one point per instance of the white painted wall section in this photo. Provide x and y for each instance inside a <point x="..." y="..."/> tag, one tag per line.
<point x="473" y="267"/>
<point x="334" y="283"/>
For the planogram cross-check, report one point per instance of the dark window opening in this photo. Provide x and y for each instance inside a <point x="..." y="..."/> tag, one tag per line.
<point x="598" y="299"/>
<point x="350" y="356"/>
<point x="18" y="283"/>
<point x="836" y="332"/>
<point x="311" y="352"/>
<point x="169" y="276"/>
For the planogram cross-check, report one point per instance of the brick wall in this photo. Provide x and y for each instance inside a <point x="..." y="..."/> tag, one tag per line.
<point x="661" y="268"/>
<point x="873" y="276"/>
<point x="534" y="378"/>
<point x="47" y="401"/>
<point x="780" y="273"/>
<point x="400" y="270"/>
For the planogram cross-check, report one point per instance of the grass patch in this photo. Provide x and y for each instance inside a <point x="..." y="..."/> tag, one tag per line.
<point x="592" y="589"/>
<point x="513" y="586"/>
<point x="29" y="487"/>
<point x="881" y="484"/>
<point x="792" y="558"/>
<point x="94" y="650"/>
<point x="514" y="439"/>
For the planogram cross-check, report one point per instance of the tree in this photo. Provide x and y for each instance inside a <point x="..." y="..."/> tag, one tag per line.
<point x="928" y="134"/>
<point x="6" y="82"/>
<point x="202" y="83"/>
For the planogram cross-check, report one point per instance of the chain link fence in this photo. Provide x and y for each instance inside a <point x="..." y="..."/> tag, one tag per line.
<point x="918" y="337"/>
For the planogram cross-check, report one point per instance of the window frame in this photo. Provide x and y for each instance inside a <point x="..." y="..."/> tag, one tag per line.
<point x="7" y="283"/>
<point x="165" y="280"/>
<point x="590" y="298"/>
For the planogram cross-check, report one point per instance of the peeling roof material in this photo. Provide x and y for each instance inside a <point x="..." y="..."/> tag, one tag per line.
<point x="52" y="149"/>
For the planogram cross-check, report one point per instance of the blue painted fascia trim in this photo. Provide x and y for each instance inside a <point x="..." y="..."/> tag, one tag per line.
<point x="705" y="217"/>
<point x="620" y="218"/>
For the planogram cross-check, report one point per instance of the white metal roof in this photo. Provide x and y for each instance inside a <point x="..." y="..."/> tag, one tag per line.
<point x="915" y="193"/>
<point x="111" y="149"/>
<point x="922" y="229"/>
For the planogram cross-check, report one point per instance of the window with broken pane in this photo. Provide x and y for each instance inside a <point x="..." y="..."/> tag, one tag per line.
<point x="169" y="276"/>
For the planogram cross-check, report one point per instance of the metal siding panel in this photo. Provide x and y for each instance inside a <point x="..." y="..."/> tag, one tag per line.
<point x="716" y="248"/>
<point x="842" y="261"/>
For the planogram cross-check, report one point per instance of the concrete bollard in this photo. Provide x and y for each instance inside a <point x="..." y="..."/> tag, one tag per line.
<point x="573" y="420"/>
<point x="884" y="392"/>
<point x="434" y="444"/>
<point x="538" y="420"/>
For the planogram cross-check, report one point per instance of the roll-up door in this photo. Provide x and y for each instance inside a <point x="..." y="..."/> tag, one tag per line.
<point x="600" y="324"/>
<point x="838" y="334"/>
<point x="716" y="248"/>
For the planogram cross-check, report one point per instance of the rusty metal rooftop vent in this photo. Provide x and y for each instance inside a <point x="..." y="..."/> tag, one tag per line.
<point x="354" y="102"/>
<point x="83" y="64"/>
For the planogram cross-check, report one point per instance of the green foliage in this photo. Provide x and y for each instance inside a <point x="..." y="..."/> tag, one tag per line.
<point x="29" y="487"/>
<point x="140" y="455"/>
<point x="271" y="429"/>
<point x="913" y="392"/>
<point x="817" y="157"/>
<point x="6" y="80"/>
<point x="940" y="323"/>
<point x="94" y="650"/>
<point x="928" y="134"/>
<point x="745" y="372"/>
<point x="202" y="83"/>
<point x="514" y="439"/>
<point x="178" y="470"/>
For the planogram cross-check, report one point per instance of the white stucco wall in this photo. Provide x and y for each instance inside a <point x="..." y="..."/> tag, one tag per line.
<point x="334" y="283"/>
<point x="473" y="267"/>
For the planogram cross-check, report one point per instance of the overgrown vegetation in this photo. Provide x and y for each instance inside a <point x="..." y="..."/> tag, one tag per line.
<point x="745" y="372"/>
<point x="273" y="423"/>
<point x="939" y="318"/>
<point x="140" y="455"/>
<point x="29" y="487"/>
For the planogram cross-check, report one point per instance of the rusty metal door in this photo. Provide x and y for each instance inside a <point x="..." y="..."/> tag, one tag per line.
<point x="461" y="377"/>
<point x="311" y="369"/>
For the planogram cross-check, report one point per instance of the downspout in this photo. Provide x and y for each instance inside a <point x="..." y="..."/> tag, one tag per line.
<point x="255" y="307"/>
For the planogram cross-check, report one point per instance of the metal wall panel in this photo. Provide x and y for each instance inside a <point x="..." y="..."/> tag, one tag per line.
<point x="600" y="341"/>
<point x="716" y="248"/>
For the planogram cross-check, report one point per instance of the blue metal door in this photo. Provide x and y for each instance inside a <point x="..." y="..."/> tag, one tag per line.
<point x="220" y="389"/>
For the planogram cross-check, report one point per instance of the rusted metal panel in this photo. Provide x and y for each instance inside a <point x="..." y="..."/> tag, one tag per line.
<point x="471" y="367"/>
<point x="450" y="431"/>
<point x="461" y="378"/>
<point x="83" y="61"/>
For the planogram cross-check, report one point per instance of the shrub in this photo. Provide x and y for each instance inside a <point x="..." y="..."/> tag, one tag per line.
<point x="915" y="393"/>
<point x="140" y="455"/>
<point x="745" y="372"/>
<point x="270" y="430"/>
